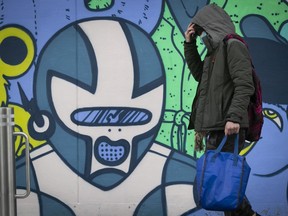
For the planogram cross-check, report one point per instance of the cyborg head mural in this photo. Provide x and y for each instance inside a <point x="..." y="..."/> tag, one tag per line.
<point x="112" y="69"/>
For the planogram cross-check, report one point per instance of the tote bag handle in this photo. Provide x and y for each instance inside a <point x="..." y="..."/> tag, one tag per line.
<point x="236" y="145"/>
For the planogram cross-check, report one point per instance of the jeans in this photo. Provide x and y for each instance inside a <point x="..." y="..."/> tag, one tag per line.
<point x="213" y="139"/>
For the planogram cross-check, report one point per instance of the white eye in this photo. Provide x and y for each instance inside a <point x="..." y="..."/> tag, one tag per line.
<point x="43" y="128"/>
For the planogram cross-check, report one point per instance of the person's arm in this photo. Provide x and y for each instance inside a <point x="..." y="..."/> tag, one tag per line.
<point x="240" y="70"/>
<point x="191" y="54"/>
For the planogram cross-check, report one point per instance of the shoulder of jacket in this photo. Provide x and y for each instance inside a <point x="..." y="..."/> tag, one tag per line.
<point x="235" y="42"/>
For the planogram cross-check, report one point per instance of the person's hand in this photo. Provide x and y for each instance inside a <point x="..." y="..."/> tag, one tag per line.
<point x="190" y="32"/>
<point x="231" y="128"/>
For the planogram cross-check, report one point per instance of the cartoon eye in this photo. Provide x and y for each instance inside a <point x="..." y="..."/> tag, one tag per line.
<point x="274" y="116"/>
<point x="17" y="51"/>
<point x="116" y="116"/>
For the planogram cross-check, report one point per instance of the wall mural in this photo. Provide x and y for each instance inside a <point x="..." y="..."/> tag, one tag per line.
<point x="103" y="91"/>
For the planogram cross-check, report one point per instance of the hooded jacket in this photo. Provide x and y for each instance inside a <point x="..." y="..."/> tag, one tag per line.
<point x="225" y="76"/>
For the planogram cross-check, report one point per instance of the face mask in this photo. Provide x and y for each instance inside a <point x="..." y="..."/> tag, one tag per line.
<point x="203" y="34"/>
<point x="204" y="39"/>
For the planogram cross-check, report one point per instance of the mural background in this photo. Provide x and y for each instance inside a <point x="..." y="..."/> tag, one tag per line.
<point x="85" y="77"/>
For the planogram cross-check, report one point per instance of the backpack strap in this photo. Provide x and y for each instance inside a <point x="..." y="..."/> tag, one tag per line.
<point x="235" y="36"/>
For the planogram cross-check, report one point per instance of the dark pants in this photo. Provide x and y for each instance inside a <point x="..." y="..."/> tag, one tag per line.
<point x="213" y="139"/>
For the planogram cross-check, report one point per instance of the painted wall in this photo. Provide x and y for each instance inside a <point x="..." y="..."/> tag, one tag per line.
<point x="104" y="93"/>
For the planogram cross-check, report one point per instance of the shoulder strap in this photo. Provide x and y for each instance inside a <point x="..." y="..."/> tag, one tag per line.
<point x="235" y="36"/>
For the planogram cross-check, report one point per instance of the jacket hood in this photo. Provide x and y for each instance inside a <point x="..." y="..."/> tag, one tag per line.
<point x="215" y="21"/>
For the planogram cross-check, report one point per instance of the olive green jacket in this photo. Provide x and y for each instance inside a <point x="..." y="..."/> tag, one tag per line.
<point x="225" y="76"/>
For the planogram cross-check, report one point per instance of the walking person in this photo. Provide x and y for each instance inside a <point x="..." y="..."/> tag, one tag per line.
<point x="225" y="85"/>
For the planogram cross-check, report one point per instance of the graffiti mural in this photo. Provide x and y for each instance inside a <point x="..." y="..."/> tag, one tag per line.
<point x="103" y="91"/>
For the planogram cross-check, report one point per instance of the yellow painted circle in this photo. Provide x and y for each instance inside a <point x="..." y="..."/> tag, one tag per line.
<point x="16" y="70"/>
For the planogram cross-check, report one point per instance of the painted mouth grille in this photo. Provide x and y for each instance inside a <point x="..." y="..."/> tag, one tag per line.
<point x="111" y="153"/>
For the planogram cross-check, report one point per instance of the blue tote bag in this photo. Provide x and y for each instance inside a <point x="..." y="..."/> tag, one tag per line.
<point x="221" y="178"/>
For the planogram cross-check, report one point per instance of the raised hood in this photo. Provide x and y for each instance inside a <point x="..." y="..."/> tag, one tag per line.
<point x="215" y="21"/>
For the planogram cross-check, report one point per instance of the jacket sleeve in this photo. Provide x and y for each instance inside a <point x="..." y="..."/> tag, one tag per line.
<point x="240" y="69"/>
<point x="193" y="59"/>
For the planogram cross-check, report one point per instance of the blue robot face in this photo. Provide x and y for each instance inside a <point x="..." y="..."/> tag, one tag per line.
<point x="104" y="82"/>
